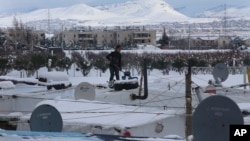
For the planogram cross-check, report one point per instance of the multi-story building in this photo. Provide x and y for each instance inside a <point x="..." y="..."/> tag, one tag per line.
<point x="144" y="37"/>
<point x="94" y="39"/>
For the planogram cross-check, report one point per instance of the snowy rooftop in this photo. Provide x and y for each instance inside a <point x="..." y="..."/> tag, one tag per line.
<point x="107" y="114"/>
<point x="96" y="115"/>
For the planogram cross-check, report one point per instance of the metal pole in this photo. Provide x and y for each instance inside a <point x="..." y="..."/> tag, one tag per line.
<point x="188" y="102"/>
<point x="145" y="96"/>
<point x="244" y="68"/>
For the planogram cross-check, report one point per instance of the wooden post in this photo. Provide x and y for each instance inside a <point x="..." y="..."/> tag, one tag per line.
<point x="188" y="102"/>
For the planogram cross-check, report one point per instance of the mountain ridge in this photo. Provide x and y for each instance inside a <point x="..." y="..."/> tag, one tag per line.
<point x="158" y="10"/>
<point x="133" y="11"/>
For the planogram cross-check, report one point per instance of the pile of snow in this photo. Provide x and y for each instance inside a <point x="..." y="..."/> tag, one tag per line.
<point x="58" y="80"/>
<point x="6" y="85"/>
<point x="18" y="79"/>
<point x="54" y="76"/>
<point x="130" y="81"/>
<point x="148" y="47"/>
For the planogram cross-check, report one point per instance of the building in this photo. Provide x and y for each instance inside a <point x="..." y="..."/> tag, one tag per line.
<point x="224" y="42"/>
<point x="206" y="42"/>
<point x="100" y="39"/>
<point x="247" y="42"/>
<point x="201" y="42"/>
<point x="144" y="37"/>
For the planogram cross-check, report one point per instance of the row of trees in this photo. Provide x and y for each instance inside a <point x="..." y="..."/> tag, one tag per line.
<point x="20" y="36"/>
<point x="31" y="62"/>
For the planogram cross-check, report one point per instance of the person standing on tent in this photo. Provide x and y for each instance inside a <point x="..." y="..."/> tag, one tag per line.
<point x="115" y="63"/>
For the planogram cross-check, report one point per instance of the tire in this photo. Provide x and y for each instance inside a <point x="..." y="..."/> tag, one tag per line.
<point x="127" y="86"/>
<point x="49" y="87"/>
<point x="63" y="86"/>
<point x="57" y="87"/>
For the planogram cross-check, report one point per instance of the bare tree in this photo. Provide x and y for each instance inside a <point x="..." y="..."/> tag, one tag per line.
<point x="21" y="35"/>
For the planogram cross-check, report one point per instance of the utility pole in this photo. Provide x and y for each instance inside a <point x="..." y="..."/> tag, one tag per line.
<point x="48" y="21"/>
<point x="188" y="102"/>
<point x="189" y="40"/>
<point x="225" y="20"/>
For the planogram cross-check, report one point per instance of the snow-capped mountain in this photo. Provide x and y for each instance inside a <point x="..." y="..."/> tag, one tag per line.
<point x="78" y="12"/>
<point x="131" y="12"/>
<point x="149" y="10"/>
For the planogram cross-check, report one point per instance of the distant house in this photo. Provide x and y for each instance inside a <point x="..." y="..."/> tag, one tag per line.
<point x="224" y="42"/>
<point x="201" y="42"/>
<point x="207" y="42"/>
<point x="247" y="42"/>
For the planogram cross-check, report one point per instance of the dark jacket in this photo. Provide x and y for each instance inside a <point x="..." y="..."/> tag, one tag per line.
<point x="115" y="59"/>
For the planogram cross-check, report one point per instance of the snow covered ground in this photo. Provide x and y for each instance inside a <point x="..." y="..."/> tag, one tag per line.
<point x="159" y="86"/>
<point x="156" y="81"/>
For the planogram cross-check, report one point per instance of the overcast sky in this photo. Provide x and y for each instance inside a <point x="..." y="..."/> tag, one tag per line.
<point x="187" y="7"/>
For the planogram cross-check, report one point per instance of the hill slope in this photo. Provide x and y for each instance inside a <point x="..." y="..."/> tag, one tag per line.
<point x="149" y="11"/>
<point x="131" y="12"/>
